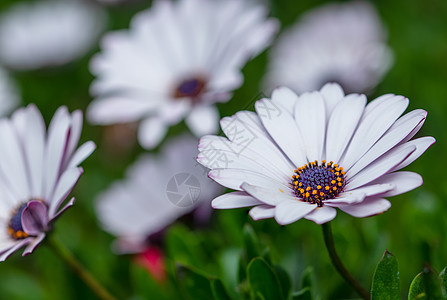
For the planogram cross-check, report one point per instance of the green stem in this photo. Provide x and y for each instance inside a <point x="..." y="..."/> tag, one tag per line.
<point x="329" y="241"/>
<point x="71" y="261"/>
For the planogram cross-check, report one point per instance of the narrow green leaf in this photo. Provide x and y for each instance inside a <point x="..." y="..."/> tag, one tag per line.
<point x="417" y="289"/>
<point x="263" y="281"/>
<point x="443" y="277"/>
<point x="386" y="283"/>
<point x="192" y="284"/>
<point x="219" y="291"/>
<point x="303" y="294"/>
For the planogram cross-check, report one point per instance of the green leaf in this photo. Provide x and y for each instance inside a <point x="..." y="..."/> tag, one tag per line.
<point x="417" y="289"/>
<point x="192" y="284"/>
<point x="426" y="285"/>
<point x="443" y="278"/>
<point x="284" y="280"/>
<point x="432" y="283"/>
<point x="303" y="294"/>
<point x="264" y="283"/>
<point x="251" y="243"/>
<point x="219" y="291"/>
<point x="386" y="283"/>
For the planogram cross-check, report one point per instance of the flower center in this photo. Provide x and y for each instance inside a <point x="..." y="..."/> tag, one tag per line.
<point x="315" y="183"/>
<point x="190" y="88"/>
<point x="15" y="228"/>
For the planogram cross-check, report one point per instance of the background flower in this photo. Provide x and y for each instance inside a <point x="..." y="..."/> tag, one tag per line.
<point x="47" y="33"/>
<point x="312" y="153"/>
<point x="341" y="42"/>
<point x="176" y="61"/>
<point x="37" y="173"/>
<point x="157" y="191"/>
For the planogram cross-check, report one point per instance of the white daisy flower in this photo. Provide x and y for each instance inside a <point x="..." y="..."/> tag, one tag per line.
<point x="47" y="33"/>
<point x="338" y="42"/>
<point x="304" y="156"/>
<point x="37" y="172"/>
<point x="157" y="191"/>
<point x="177" y="60"/>
<point x="9" y="94"/>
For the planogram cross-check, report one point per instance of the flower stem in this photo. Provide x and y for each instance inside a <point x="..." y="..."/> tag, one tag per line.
<point x="71" y="261"/>
<point x="329" y="241"/>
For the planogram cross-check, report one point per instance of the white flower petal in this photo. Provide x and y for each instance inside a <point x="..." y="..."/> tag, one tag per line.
<point x="262" y="212"/>
<point x="119" y="110"/>
<point x="285" y="97"/>
<point x="400" y="129"/>
<point x="374" y="123"/>
<point x="275" y="119"/>
<point x="81" y="154"/>
<point x="367" y="208"/>
<point x="34" y="148"/>
<point x="322" y="215"/>
<point x="290" y="211"/>
<point x="233" y="178"/>
<point x="234" y="200"/>
<point x="382" y="166"/>
<point x="12" y="163"/>
<point x="342" y="124"/>
<point x="372" y="189"/>
<point x="18" y="244"/>
<point x="63" y="188"/>
<point x="55" y="149"/>
<point x="203" y="120"/>
<point x="421" y="144"/>
<point x="346" y="198"/>
<point x="402" y="181"/>
<point x="332" y="94"/>
<point x="270" y="194"/>
<point x="152" y="130"/>
<point x="310" y="117"/>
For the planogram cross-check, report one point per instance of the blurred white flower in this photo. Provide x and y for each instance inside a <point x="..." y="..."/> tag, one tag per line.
<point x="338" y="42"/>
<point x="38" y="170"/>
<point x="157" y="190"/>
<point x="9" y="94"/>
<point x="48" y="33"/>
<point x="304" y="156"/>
<point x="177" y="60"/>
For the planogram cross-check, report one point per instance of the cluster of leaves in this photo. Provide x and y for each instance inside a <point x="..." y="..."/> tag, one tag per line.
<point x="426" y="285"/>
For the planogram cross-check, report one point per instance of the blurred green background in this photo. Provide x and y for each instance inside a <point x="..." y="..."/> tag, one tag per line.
<point x="414" y="229"/>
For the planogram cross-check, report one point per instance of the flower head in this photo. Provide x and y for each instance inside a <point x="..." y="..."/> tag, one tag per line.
<point x="304" y="156"/>
<point x="343" y="43"/>
<point x="47" y="33"/>
<point x="157" y="191"/>
<point x="37" y="172"/>
<point x="9" y="95"/>
<point x="177" y="60"/>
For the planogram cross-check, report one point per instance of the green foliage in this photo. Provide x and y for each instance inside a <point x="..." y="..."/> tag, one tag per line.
<point x="386" y="282"/>
<point x="264" y="283"/>
<point x="426" y="285"/>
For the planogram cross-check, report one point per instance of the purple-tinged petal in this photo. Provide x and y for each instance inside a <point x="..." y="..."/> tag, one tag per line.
<point x="35" y="218"/>
<point x="268" y="193"/>
<point x="67" y="206"/>
<point x="32" y="245"/>
<point x="14" y="248"/>
<point x="81" y="154"/>
<point x="421" y="144"/>
<point x="66" y="183"/>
